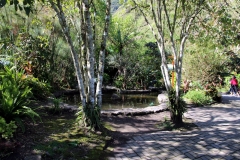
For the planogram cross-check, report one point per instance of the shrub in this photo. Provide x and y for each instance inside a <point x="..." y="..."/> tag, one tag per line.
<point x="89" y="117"/>
<point x="198" y="97"/>
<point x="119" y="82"/>
<point x="40" y="90"/>
<point x="55" y="109"/>
<point x="212" y="92"/>
<point x="196" y="85"/>
<point x="7" y="129"/>
<point x="14" y="97"/>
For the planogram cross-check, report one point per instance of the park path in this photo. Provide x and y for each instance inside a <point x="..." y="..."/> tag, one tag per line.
<point x="217" y="138"/>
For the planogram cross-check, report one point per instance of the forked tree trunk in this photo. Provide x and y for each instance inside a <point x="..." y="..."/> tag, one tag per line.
<point x="85" y="71"/>
<point x="161" y="10"/>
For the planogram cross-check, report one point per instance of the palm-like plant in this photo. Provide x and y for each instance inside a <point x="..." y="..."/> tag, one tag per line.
<point x="14" y="96"/>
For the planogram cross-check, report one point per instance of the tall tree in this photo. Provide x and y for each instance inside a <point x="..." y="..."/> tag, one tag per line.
<point x="174" y="18"/>
<point x="83" y="60"/>
<point x="91" y="98"/>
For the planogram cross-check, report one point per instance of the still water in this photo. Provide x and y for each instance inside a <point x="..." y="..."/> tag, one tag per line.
<point x="121" y="101"/>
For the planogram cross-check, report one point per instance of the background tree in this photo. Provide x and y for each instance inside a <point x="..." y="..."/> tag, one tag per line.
<point x="37" y="38"/>
<point x="122" y="46"/>
<point x="130" y="56"/>
<point x="220" y="53"/>
<point x="203" y="64"/>
<point x="174" y="18"/>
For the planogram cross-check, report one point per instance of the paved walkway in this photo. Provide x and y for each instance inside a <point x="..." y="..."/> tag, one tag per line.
<point x="218" y="137"/>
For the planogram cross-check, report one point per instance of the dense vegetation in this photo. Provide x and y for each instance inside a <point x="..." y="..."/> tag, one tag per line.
<point x="130" y="57"/>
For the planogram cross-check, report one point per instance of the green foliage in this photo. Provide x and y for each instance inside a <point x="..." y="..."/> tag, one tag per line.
<point x="56" y="106"/>
<point x="119" y="82"/>
<point x="40" y="90"/>
<point x="198" y="97"/>
<point x="212" y="92"/>
<point x="106" y="78"/>
<point x="176" y="107"/>
<point x="90" y="117"/>
<point x="14" y="97"/>
<point x="203" y="63"/>
<point x="196" y="85"/>
<point x="7" y="129"/>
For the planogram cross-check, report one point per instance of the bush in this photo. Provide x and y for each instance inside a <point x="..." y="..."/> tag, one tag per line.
<point x="119" y="82"/>
<point x="40" y="90"/>
<point x="198" y="97"/>
<point x="212" y="92"/>
<point x="55" y="109"/>
<point x="14" y="97"/>
<point x="7" y="129"/>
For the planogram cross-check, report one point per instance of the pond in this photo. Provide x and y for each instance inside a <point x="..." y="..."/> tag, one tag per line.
<point x="119" y="101"/>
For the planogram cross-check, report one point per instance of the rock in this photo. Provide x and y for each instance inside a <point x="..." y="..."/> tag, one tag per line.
<point x="162" y="98"/>
<point x="115" y="97"/>
<point x="136" y="112"/>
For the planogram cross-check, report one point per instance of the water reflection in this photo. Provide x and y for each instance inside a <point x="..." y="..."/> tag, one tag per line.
<point x="120" y="101"/>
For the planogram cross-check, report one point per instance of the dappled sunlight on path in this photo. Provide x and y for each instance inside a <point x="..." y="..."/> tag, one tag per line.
<point x="218" y="137"/>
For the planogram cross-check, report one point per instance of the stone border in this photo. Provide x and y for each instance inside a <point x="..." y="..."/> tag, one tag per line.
<point x="115" y="112"/>
<point x="136" y="112"/>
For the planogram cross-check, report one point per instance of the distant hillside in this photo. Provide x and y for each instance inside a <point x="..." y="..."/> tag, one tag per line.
<point x="143" y="29"/>
<point x="115" y="5"/>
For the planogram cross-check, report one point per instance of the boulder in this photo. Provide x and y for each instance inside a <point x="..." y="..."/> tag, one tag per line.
<point x="162" y="98"/>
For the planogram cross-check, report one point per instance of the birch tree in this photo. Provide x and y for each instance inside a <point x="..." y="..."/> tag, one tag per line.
<point x="84" y="59"/>
<point x="172" y="24"/>
<point x="91" y="98"/>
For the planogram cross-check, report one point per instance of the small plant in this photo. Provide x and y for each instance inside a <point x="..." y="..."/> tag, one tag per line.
<point x="177" y="108"/>
<point x="7" y="129"/>
<point x="90" y="117"/>
<point x="199" y="97"/>
<point x="56" y="106"/>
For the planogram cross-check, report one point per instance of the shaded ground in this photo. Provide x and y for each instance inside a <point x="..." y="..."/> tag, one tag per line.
<point x="125" y="127"/>
<point x="120" y="128"/>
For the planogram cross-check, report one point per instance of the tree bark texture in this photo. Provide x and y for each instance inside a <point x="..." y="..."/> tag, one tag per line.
<point x="166" y="23"/>
<point x="90" y="54"/>
<point x="65" y="28"/>
<point x="102" y="55"/>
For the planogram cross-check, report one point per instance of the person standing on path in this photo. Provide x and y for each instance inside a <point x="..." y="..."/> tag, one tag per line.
<point x="234" y="86"/>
